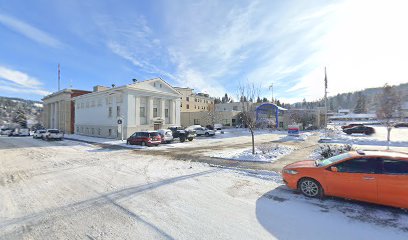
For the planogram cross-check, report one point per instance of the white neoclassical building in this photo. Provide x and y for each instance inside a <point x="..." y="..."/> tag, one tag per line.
<point x="141" y="106"/>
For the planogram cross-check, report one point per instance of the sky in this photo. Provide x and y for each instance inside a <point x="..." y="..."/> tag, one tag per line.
<point x="211" y="46"/>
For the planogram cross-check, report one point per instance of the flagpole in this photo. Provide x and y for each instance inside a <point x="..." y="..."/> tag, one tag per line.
<point x="325" y="98"/>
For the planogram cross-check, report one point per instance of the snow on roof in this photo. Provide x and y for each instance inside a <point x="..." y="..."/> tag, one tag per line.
<point x="354" y="115"/>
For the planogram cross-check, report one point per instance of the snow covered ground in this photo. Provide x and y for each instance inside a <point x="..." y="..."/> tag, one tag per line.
<point x="263" y="153"/>
<point x="233" y="135"/>
<point x="73" y="190"/>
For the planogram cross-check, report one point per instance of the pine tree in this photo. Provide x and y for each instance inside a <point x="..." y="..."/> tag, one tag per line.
<point x="361" y="104"/>
<point x="264" y="99"/>
<point x="20" y="118"/>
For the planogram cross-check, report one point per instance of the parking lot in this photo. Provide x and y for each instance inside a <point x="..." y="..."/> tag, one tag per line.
<point x="75" y="190"/>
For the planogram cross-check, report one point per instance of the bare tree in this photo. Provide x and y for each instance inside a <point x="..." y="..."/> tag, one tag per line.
<point x="301" y="117"/>
<point x="213" y="116"/>
<point x="248" y="114"/>
<point x="389" y="108"/>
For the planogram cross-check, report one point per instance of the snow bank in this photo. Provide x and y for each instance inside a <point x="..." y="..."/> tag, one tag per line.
<point x="263" y="153"/>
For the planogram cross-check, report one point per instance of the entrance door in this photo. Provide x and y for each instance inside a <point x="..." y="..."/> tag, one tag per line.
<point x="157" y="126"/>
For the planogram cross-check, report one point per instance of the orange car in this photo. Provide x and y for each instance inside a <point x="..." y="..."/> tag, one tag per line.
<point x="372" y="176"/>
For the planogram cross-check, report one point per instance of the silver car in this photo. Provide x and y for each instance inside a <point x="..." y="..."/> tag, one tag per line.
<point x="204" y="131"/>
<point x="166" y="135"/>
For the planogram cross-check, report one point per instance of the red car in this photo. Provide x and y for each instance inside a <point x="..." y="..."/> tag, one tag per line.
<point x="148" y="138"/>
<point x="372" y="176"/>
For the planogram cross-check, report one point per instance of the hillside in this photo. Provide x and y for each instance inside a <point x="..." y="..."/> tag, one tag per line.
<point x="349" y="100"/>
<point x="9" y="106"/>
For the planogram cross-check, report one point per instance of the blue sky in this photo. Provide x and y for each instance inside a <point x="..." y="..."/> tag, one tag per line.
<point x="211" y="46"/>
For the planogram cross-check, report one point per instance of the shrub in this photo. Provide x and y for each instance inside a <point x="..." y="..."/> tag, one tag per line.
<point x="327" y="151"/>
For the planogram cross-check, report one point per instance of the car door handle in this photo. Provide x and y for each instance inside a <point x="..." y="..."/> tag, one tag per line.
<point x="368" y="178"/>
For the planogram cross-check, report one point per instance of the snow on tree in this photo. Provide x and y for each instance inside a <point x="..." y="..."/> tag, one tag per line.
<point x="361" y="106"/>
<point x="389" y="108"/>
<point x="20" y="118"/>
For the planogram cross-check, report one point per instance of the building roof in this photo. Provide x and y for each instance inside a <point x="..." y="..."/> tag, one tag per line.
<point x="130" y="86"/>
<point x="354" y="116"/>
<point x="65" y="90"/>
<point x="270" y="106"/>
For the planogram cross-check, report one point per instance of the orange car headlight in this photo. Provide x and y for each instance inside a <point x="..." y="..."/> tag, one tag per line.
<point x="290" y="171"/>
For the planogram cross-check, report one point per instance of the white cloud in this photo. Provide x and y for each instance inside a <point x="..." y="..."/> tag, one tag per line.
<point x="29" y="31"/>
<point x="16" y="81"/>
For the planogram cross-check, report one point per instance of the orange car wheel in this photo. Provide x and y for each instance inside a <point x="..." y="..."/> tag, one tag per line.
<point x="310" y="188"/>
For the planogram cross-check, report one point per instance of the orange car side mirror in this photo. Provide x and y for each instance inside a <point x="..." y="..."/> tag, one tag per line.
<point x="334" y="169"/>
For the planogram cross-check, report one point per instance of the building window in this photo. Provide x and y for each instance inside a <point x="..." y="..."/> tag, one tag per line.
<point x="142" y="112"/>
<point x="160" y="85"/>
<point x="82" y="105"/>
<point x="99" y="131"/>
<point x="92" y="131"/>
<point x="110" y="112"/>
<point x="233" y="121"/>
<point x="187" y="99"/>
<point x="166" y="113"/>
<point x="195" y="107"/>
<point x="77" y="129"/>
<point x="99" y="102"/>
<point x="235" y="108"/>
<point x="196" y="121"/>
<point x="154" y="112"/>
<point x="188" y="106"/>
<point x="117" y="111"/>
<point x="154" y="84"/>
<point x="181" y="105"/>
<point x="110" y="132"/>
<point x="82" y="129"/>
<point x="281" y="124"/>
<point x="92" y="103"/>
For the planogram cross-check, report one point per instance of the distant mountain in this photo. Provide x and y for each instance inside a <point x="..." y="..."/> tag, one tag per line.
<point x="8" y="107"/>
<point x="349" y="100"/>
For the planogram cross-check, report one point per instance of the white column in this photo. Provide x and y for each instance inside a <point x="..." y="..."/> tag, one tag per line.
<point x="162" y="110"/>
<point x="137" y="111"/>
<point x="172" y="116"/>
<point x="149" y="105"/>
<point x="52" y="115"/>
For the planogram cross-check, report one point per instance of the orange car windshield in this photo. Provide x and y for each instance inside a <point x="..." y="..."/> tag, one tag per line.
<point x="333" y="159"/>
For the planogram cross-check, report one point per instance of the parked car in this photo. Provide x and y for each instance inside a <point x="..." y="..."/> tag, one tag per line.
<point x="359" y="129"/>
<point x="211" y="127"/>
<point x="39" y="133"/>
<point x="19" y="132"/>
<point x="53" y="134"/>
<point x="372" y="176"/>
<point x="351" y="125"/>
<point x="200" y="131"/>
<point x="6" y="131"/>
<point x="218" y="126"/>
<point x="182" y="134"/>
<point x="146" y="138"/>
<point x="166" y="135"/>
<point x="399" y="125"/>
<point x="312" y="128"/>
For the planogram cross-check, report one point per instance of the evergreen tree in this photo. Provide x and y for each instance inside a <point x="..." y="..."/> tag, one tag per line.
<point x="264" y="99"/>
<point x="258" y="100"/>
<point x="361" y="104"/>
<point x="20" y="118"/>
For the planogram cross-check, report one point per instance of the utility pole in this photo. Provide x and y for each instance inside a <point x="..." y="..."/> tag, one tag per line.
<point x="59" y="77"/>
<point x="325" y="97"/>
<point x="271" y="88"/>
